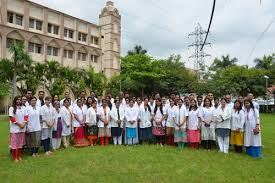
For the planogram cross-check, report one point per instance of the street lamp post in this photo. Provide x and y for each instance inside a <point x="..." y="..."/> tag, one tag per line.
<point x="266" y="85"/>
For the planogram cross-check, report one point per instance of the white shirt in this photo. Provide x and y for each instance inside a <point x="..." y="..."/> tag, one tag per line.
<point x="181" y="114"/>
<point x="193" y="120"/>
<point x="57" y="115"/>
<point x="38" y="103"/>
<point x="208" y="114"/>
<point x="62" y="101"/>
<point x="237" y="120"/>
<point x="66" y="119"/>
<point x="131" y="115"/>
<point x="223" y="117"/>
<point x="171" y="114"/>
<point x="80" y="113"/>
<point x="100" y="112"/>
<point x="91" y="116"/>
<point x="252" y="118"/>
<point x="114" y="116"/>
<point x="34" y="124"/>
<point x="19" y="116"/>
<point x="145" y="117"/>
<point x="47" y="114"/>
<point x="158" y="116"/>
<point x="152" y="105"/>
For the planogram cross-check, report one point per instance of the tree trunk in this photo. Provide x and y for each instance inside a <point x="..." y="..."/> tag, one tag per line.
<point x="14" y="88"/>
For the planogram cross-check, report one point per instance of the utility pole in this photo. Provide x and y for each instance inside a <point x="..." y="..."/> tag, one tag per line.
<point x="199" y="55"/>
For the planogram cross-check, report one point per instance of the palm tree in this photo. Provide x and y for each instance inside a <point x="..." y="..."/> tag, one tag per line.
<point x="266" y="62"/>
<point x="223" y="63"/>
<point x="21" y="60"/>
<point x="138" y="50"/>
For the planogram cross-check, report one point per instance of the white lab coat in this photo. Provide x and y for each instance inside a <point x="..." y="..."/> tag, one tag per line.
<point x="251" y="119"/>
<point x="114" y="116"/>
<point x="66" y="118"/>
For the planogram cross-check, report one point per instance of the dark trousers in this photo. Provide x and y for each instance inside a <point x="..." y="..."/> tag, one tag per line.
<point x="34" y="150"/>
<point x="46" y="144"/>
<point x="238" y="149"/>
<point x="207" y="144"/>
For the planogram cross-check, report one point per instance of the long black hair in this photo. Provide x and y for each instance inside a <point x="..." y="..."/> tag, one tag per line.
<point x="196" y="106"/>
<point x="251" y="103"/>
<point x="14" y="103"/>
<point x="208" y="100"/>
<point x="240" y="108"/>
<point x="160" y="107"/>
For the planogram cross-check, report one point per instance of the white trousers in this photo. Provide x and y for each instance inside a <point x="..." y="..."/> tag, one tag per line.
<point x="66" y="141"/>
<point x="223" y="144"/>
<point x="117" y="140"/>
<point x="56" y="143"/>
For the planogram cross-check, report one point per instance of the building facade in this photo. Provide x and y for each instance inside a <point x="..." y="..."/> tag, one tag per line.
<point x="52" y="35"/>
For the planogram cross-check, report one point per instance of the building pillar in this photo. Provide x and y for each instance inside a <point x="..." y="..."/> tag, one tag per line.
<point x="62" y="56"/>
<point x="45" y="51"/>
<point x="26" y="17"/>
<point x="62" y="26"/>
<point x="3" y="11"/>
<point x="45" y="21"/>
<point x="3" y="46"/>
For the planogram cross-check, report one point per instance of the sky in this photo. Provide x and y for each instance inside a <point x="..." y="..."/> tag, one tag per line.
<point x="162" y="26"/>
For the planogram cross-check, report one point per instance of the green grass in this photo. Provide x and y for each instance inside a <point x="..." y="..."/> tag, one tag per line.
<point x="141" y="163"/>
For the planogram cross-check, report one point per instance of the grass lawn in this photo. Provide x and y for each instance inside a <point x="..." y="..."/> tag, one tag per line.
<point x="141" y="163"/>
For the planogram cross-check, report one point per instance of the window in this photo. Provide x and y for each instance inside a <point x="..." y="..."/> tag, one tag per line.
<point x="52" y="51"/>
<point x="15" y="18"/>
<point x="94" y="58"/>
<point x="35" y="48"/>
<point x="68" y="33"/>
<point x="94" y="40"/>
<point x="53" y="29"/>
<point x="35" y="24"/>
<point x="68" y="54"/>
<point x="19" y="20"/>
<point x="11" y="41"/>
<point x="82" y="56"/>
<point x="82" y="37"/>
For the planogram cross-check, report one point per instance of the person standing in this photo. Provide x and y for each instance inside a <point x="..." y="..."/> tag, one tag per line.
<point x="91" y="122"/>
<point x="237" y="127"/>
<point x="104" y="126"/>
<point x="79" y="114"/>
<point x="159" y="116"/>
<point x="66" y="119"/>
<point x="131" y="116"/>
<point x="34" y="127"/>
<point x="252" y="135"/>
<point x="117" y="117"/>
<point x="145" y="122"/>
<point x="181" y="114"/>
<point x="47" y="116"/>
<point x="18" y="122"/>
<point x="208" y="135"/>
<point x="57" y="127"/>
<point x="170" y="124"/>
<point x="193" y="125"/>
<point x="223" y="119"/>
<point x="40" y="101"/>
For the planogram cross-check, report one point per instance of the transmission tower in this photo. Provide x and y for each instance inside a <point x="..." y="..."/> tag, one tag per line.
<point x="199" y="55"/>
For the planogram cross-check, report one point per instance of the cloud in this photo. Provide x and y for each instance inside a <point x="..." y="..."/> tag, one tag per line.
<point x="162" y="26"/>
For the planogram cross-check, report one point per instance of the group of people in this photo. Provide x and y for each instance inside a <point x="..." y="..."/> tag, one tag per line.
<point x="193" y="121"/>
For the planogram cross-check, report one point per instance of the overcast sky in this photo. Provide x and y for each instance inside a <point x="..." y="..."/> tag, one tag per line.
<point x="162" y="26"/>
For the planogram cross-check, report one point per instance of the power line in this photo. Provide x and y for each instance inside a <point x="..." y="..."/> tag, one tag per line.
<point x="212" y="14"/>
<point x="260" y="37"/>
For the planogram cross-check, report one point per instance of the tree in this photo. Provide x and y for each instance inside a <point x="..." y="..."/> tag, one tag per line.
<point x="266" y="62"/>
<point x="21" y="60"/>
<point x="223" y="63"/>
<point x="138" y="50"/>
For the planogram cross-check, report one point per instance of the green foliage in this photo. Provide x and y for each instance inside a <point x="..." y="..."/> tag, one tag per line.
<point x="138" y="50"/>
<point x="4" y="89"/>
<point x="58" y="87"/>
<point x="224" y="62"/>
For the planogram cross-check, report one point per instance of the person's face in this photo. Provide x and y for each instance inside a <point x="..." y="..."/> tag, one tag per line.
<point x="117" y="104"/>
<point x="66" y="103"/>
<point x="126" y="95"/>
<point x="117" y="97"/>
<point x="157" y="96"/>
<point x="134" y="99"/>
<point x="94" y="105"/>
<point x="57" y="105"/>
<point x="207" y="103"/>
<point x="158" y="102"/>
<point x="199" y="100"/>
<point x="191" y="97"/>
<point x="163" y="100"/>
<point x="41" y="95"/>
<point x="240" y="98"/>
<point x="47" y="102"/>
<point x="151" y="100"/>
<point x="79" y="103"/>
<point x="193" y="103"/>
<point x="108" y="99"/>
<point x="29" y="94"/>
<point x="210" y="96"/>
<point x="19" y="102"/>
<point x="139" y="101"/>
<point x="131" y="103"/>
<point x="92" y="94"/>
<point x="24" y="100"/>
<point x="104" y="103"/>
<point x="186" y="100"/>
<point x="180" y="103"/>
<point x="33" y="102"/>
<point x="250" y="96"/>
<point x="237" y="105"/>
<point x="228" y="98"/>
<point x="216" y="102"/>
<point x="99" y="98"/>
<point x="67" y="95"/>
<point x="145" y="102"/>
<point x="127" y="101"/>
<point x="82" y="94"/>
<point x="121" y="94"/>
<point x="223" y="103"/>
<point x="247" y="105"/>
<point x="55" y="98"/>
<point x="177" y="97"/>
<point x="173" y="96"/>
<point x="172" y="103"/>
<point x="90" y="101"/>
